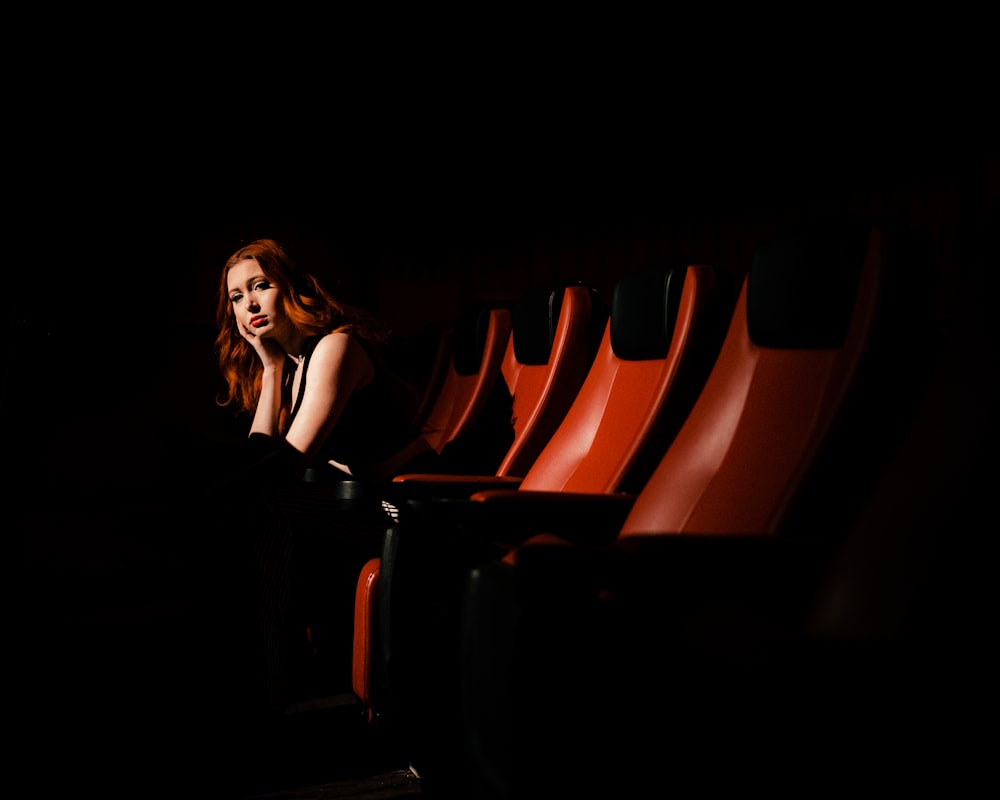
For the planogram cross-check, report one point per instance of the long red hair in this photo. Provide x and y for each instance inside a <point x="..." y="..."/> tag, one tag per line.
<point x="310" y="307"/>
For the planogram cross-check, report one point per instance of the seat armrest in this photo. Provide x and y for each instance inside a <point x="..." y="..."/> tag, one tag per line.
<point x="404" y="487"/>
<point x="509" y="516"/>
<point x="431" y="485"/>
<point x="424" y="477"/>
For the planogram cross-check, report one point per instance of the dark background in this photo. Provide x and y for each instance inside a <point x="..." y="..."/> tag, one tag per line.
<point x="415" y="212"/>
<point x="421" y="164"/>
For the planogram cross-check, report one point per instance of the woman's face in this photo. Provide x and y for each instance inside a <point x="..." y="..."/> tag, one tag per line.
<point x="257" y="303"/>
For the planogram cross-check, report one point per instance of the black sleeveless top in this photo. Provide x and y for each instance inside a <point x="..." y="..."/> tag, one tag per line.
<point x="372" y="427"/>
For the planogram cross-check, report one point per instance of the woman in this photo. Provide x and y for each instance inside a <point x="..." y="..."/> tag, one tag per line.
<point x="306" y="368"/>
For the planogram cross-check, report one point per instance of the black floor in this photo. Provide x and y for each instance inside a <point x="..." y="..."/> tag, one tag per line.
<point x="382" y="786"/>
<point x="118" y="700"/>
<point x="80" y="747"/>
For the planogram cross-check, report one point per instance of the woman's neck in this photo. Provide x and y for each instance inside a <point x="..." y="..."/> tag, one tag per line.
<point x="294" y="347"/>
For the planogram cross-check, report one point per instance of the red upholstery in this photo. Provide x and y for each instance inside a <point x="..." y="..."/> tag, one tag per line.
<point x="757" y="426"/>
<point x="779" y="448"/>
<point x="464" y="392"/>
<point x="620" y="413"/>
<point x="364" y="610"/>
<point x="619" y="406"/>
<point x="434" y="382"/>
<point x="654" y="354"/>
<point x="541" y="391"/>
<point x="763" y="406"/>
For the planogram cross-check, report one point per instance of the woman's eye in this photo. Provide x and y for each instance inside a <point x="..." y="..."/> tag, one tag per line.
<point x="236" y="298"/>
<point x="262" y="285"/>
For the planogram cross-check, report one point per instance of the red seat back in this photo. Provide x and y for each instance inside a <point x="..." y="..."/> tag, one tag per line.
<point x="478" y="345"/>
<point x="647" y="368"/>
<point x="546" y="361"/>
<point x="436" y="372"/>
<point x="788" y="366"/>
<point x="693" y="620"/>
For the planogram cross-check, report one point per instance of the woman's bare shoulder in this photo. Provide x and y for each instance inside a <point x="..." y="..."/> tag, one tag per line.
<point x="335" y="343"/>
<point x="340" y="349"/>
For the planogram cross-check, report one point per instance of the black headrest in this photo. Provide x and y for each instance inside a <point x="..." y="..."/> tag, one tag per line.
<point x="469" y="340"/>
<point x="802" y="287"/>
<point x="535" y="316"/>
<point x="644" y="310"/>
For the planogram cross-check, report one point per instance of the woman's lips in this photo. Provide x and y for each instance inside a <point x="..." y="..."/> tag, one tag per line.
<point x="256" y="322"/>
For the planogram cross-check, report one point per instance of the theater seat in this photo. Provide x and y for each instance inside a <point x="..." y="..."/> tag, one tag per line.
<point x="440" y="363"/>
<point x="554" y="339"/>
<point x="552" y="344"/>
<point x="660" y="340"/>
<point x="478" y="343"/>
<point x="676" y="646"/>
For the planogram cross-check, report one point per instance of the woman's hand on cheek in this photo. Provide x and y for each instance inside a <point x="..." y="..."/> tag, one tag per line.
<point x="270" y="352"/>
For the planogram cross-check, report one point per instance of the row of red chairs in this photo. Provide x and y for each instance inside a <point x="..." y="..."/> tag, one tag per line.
<point x="633" y="586"/>
<point x="582" y="422"/>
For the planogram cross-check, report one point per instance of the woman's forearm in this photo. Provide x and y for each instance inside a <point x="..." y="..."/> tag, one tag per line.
<point x="265" y="418"/>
